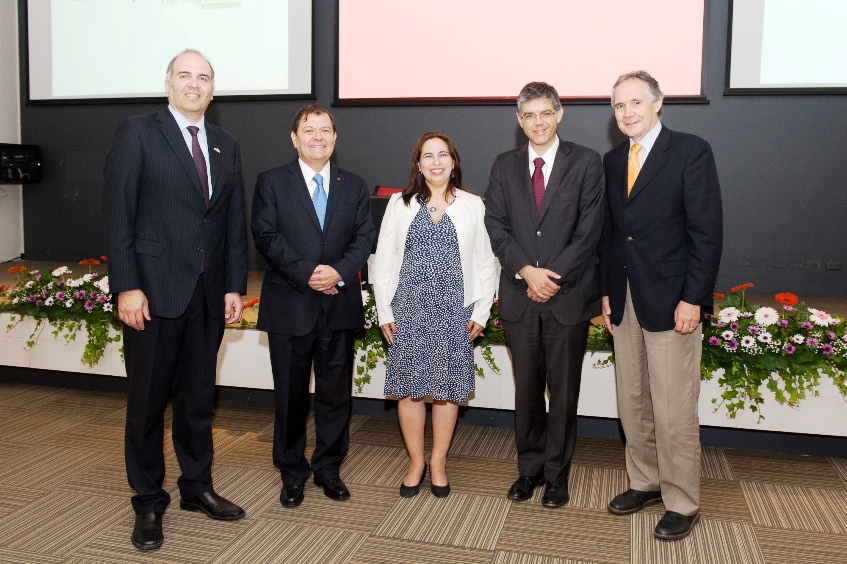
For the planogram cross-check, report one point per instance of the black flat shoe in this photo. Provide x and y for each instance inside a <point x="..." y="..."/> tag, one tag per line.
<point x="214" y="506"/>
<point x="440" y="491"/>
<point x="334" y="488"/>
<point x="291" y="496"/>
<point x="556" y="494"/>
<point x="632" y="501"/>
<point x="412" y="491"/>
<point x="147" y="533"/>
<point x="523" y="487"/>
<point x="675" y="526"/>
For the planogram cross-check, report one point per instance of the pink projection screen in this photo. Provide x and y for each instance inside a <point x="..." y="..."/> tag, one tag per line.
<point x="484" y="51"/>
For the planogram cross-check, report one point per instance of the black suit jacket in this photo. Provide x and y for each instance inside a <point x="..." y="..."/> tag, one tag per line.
<point x="666" y="237"/>
<point x="159" y="232"/>
<point x="562" y="237"/>
<point x="287" y="233"/>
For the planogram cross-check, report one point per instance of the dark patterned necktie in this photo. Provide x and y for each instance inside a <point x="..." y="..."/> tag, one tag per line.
<point x="199" y="162"/>
<point x="538" y="182"/>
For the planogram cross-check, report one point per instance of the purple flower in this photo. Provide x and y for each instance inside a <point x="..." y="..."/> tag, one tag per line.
<point x="95" y="275"/>
<point x="368" y="324"/>
<point x="708" y="315"/>
<point x="80" y="294"/>
<point x="788" y="308"/>
<point x="734" y="326"/>
<point x="92" y="295"/>
<point x="746" y="314"/>
<point x="44" y="294"/>
<point x="714" y="341"/>
<point x="89" y="305"/>
<point x="732" y="345"/>
<point x="720" y="324"/>
<point x="60" y="295"/>
<point x="827" y="349"/>
<point x="38" y="277"/>
<point x="789" y="348"/>
<point x="38" y="303"/>
<point x="60" y="282"/>
<point x="807" y="325"/>
<point x="30" y="299"/>
<point x="102" y="298"/>
<point x="831" y="336"/>
<point x="498" y="323"/>
<point x="782" y="323"/>
<point x="812" y="342"/>
<point x="753" y="330"/>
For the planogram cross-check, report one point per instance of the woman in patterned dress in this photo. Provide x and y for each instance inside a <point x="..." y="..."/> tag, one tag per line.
<point x="434" y="279"/>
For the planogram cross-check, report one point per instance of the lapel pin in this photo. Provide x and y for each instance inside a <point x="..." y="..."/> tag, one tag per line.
<point x="217" y="150"/>
<point x="339" y="178"/>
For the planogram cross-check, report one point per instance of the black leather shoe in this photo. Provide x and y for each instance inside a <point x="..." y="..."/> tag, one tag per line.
<point x="214" y="506"/>
<point x="412" y="491"/>
<point x="440" y="491"/>
<point x="522" y="489"/>
<point x="556" y="494"/>
<point x="632" y="501"/>
<point x="291" y="496"/>
<point x="334" y="488"/>
<point x="675" y="526"/>
<point x="147" y="533"/>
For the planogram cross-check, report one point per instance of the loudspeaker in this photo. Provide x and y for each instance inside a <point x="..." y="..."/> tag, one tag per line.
<point x="20" y="164"/>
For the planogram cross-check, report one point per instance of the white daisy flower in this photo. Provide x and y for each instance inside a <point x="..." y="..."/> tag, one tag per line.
<point x="727" y="335"/>
<point x="107" y="306"/>
<point x="61" y="270"/>
<point x="765" y="337"/>
<point x="49" y="301"/>
<point x="766" y="316"/>
<point x="729" y="314"/>
<point x="798" y="339"/>
<point x="69" y="302"/>
<point x="748" y="341"/>
<point x="820" y="318"/>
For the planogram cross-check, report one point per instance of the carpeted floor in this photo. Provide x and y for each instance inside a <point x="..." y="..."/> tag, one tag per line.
<point x="64" y="499"/>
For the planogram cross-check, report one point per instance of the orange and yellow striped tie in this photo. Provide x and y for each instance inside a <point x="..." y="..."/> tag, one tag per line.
<point x="632" y="168"/>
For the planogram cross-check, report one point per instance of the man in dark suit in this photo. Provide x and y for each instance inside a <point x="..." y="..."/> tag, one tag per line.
<point x="544" y="213"/>
<point x="312" y="223"/>
<point x="659" y="254"/>
<point x="175" y="224"/>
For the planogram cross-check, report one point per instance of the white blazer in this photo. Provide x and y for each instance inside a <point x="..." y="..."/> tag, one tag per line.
<point x="479" y="265"/>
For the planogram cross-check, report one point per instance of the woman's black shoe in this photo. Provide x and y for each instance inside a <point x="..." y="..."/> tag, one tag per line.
<point x="412" y="491"/>
<point x="440" y="491"/>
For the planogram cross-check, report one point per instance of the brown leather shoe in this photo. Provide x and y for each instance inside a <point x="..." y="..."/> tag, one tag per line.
<point x="214" y="506"/>
<point x="675" y="526"/>
<point x="632" y="501"/>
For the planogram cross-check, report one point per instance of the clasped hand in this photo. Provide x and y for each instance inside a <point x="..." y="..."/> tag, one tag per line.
<point x="324" y="279"/>
<point x="539" y="283"/>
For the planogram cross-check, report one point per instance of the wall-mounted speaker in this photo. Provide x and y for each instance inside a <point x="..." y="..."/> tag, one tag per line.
<point x="20" y="164"/>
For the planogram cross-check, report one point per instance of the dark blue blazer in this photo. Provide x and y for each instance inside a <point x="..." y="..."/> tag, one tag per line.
<point x="159" y="232"/>
<point x="287" y="233"/>
<point x="666" y="237"/>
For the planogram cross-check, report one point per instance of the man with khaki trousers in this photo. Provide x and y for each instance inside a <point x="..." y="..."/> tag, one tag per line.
<point x="659" y="257"/>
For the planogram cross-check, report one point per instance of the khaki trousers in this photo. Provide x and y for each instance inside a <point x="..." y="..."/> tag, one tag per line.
<point x="657" y="375"/>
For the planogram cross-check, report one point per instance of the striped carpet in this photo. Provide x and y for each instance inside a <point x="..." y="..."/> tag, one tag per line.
<point x="64" y="499"/>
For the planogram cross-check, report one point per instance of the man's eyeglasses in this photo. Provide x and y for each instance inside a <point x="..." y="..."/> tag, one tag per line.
<point x="545" y="115"/>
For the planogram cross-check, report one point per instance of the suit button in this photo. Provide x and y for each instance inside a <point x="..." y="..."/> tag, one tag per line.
<point x="199" y="249"/>
<point x="624" y="267"/>
<point x="323" y="243"/>
<point x="628" y="238"/>
<point x="538" y="233"/>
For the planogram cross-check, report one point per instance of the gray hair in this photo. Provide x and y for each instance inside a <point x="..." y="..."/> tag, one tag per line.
<point x="170" y="70"/>
<point x="536" y="90"/>
<point x="653" y="89"/>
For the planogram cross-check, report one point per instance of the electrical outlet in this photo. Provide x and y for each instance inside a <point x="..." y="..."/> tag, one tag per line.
<point x="813" y="264"/>
<point x="833" y="265"/>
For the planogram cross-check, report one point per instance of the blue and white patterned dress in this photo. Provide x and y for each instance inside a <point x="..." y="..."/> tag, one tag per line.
<point x="431" y="354"/>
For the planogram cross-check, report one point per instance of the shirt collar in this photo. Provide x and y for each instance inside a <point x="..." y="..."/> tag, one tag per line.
<point x="649" y="138"/>
<point x="548" y="155"/>
<point x="183" y="122"/>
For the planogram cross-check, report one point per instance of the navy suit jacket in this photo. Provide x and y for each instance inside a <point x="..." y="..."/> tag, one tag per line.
<point x="159" y="232"/>
<point x="563" y="236"/>
<point x="287" y="233"/>
<point x="666" y="237"/>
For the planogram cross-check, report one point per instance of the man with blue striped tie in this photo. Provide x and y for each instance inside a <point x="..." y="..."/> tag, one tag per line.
<point x="312" y="223"/>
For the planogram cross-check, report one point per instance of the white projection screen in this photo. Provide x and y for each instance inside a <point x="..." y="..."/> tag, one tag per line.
<point x="484" y="51"/>
<point x="787" y="47"/>
<point x="107" y="50"/>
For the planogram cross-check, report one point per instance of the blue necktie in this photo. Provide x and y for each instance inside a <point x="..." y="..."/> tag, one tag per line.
<point x="319" y="199"/>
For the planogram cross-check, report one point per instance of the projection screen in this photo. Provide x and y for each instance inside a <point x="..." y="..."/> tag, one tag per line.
<point x="484" y="51"/>
<point x="787" y="47"/>
<point x="104" y="50"/>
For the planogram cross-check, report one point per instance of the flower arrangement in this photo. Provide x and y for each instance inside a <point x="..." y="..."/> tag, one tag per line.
<point x="786" y="351"/>
<point x="749" y="346"/>
<point x="67" y="302"/>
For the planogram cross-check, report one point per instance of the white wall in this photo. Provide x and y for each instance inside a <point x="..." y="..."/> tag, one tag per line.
<point x="11" y="200"/>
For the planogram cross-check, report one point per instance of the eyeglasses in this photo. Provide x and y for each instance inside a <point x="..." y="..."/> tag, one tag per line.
<point x="545" y="115"/>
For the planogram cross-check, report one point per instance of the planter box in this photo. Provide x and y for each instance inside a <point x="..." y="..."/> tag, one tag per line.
<point x="243" y="361"/>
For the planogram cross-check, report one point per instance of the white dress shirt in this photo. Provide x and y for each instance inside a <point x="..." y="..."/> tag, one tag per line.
<point x="183" y="124"/>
